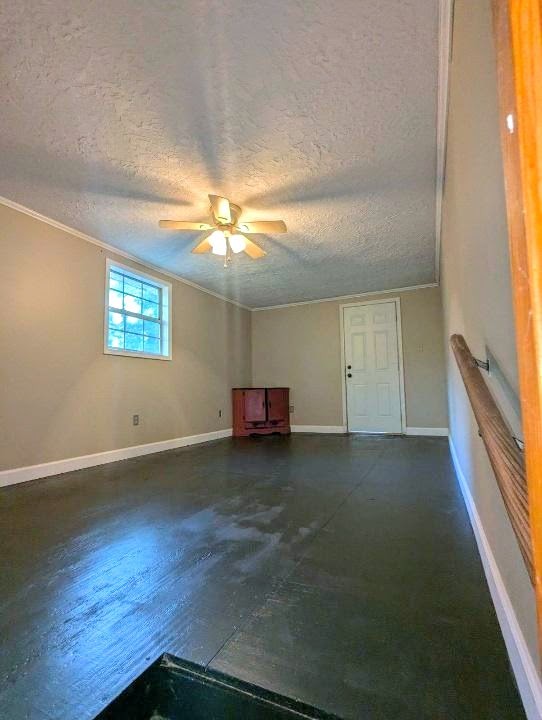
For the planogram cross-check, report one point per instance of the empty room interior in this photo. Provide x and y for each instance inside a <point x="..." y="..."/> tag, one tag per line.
<point x="271" y="360"/>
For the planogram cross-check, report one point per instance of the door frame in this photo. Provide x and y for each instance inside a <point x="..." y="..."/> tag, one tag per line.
<point x="397" y="301"/>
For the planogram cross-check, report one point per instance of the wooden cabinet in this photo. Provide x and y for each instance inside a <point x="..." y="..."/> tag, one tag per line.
<point x="260" y="411"/>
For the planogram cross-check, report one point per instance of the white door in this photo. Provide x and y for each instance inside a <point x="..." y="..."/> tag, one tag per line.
<point x="371" y="352"/>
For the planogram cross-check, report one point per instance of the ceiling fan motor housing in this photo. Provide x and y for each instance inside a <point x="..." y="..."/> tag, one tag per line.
<point x="235" y="212"/>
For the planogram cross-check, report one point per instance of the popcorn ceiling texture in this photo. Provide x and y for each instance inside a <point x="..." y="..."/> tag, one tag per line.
<point x="116" y="114"/>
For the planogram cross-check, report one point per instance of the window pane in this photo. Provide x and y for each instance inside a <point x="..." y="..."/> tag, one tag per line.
<point x="133" y="342"/>
<point x="152" y="345"/>
<point x="134" y="319"/>
<point x="116" y="321"/>
<point x="151" y="309"/>
<point x="115" y="299"/>
<point x="133" y="287"/>
<point x="132" y="304"/>
<point x="151" y="293"/>
<point x="115" y="281"/>
<point x="115" y="339"/>
<point x="152" y="328"/>
<point x="134" y="325"/>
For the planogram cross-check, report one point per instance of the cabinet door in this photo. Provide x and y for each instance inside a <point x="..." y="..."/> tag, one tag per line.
<point x="277" y="404"/>
<point x="255" y="405"/>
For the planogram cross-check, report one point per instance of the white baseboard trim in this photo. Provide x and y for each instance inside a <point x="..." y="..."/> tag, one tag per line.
<point x="432" y="431"/>
<point x="341" y="429"/>
<point x="56" y="467"/>
<point x="527" y="677"/>
<point x="337" y="429"/>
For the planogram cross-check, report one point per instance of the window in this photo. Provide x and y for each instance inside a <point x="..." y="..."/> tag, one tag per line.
<point x="137" y="314"/>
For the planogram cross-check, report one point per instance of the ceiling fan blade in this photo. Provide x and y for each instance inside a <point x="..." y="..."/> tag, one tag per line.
<point x="221" y="209"/>
<point x="183" y="225"/>
<point x="203" y="246"/>
<point x="268" y="227"/>
<point x="252" y="250"/>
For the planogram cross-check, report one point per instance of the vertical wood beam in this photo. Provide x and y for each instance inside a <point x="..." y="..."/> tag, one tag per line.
<point x="518" y="41"/>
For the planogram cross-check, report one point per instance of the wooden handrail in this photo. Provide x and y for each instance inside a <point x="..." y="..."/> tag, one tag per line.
<point x="504" y="455"/>
<point x="518" y="44"/>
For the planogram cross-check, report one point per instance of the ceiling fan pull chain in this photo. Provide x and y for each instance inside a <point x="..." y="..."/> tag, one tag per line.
<point x="227" y="258"/>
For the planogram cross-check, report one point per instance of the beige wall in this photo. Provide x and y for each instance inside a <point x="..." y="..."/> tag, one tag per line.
<point x="60" y="395"/>
<point x="475" y="275"/>
<point x="299" y="346"/>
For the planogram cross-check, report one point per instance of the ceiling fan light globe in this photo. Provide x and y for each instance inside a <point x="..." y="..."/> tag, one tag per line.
<point x="237" y="243"/>
<point x="217" y="241"/>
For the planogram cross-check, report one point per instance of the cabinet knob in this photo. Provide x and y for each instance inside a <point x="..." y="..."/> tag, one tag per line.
<point x="349" y="375"/>
<point x="349" y="367"/>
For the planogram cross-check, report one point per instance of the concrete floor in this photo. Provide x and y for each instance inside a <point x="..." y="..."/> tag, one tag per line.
<point x="338" y="570"/>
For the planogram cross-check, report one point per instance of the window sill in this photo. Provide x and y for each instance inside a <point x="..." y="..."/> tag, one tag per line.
<point x="127" y="353"/>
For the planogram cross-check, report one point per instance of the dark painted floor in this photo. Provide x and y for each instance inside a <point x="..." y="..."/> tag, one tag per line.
<point x="338" y="570"/>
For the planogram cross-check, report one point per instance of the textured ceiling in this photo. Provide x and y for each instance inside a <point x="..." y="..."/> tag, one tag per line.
<point x="116" y="114"/>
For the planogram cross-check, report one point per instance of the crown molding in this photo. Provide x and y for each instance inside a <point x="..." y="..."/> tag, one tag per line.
<point x="116" y="251"/>
<point x="110" y="248"/>
<point x="444" y="52"/>
<point x="347" y="297"/>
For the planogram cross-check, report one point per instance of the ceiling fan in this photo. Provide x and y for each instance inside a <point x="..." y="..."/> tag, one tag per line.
<point x="227" y="233"/>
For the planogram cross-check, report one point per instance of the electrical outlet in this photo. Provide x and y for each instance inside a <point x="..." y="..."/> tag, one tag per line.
<point x="220" y="413"/>
<point x="135" y="420"/>
<point x="291" y="408"/>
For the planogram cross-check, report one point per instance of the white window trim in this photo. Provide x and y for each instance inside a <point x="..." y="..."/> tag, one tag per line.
<point x="166" y="321"/>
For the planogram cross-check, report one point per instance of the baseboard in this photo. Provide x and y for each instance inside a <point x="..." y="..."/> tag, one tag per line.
<point x="431" y="431"/>
<point x="341" y="429"/>
<point x="527" y="677"/>
<point x="33" y="472"/>
<point x="337" y="429"/>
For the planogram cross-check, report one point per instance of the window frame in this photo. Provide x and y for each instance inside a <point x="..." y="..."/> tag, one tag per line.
<point x="165" y="310"/>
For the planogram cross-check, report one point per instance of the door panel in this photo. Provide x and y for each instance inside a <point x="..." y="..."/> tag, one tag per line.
<point x="383" y="396"/>
<point x="277" y="404"/>
<point x="255" y="405"/>
<point x="382" y="360"/>
<point x="373" y="390"/>
<point x="358" y="344"/>
<point x="360" y="399"/>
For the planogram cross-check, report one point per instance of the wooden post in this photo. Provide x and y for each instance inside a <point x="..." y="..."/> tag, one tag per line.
<point x="518" y="38"/>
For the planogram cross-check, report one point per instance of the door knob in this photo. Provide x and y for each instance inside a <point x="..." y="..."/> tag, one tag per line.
<point x="349" y="375"/>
